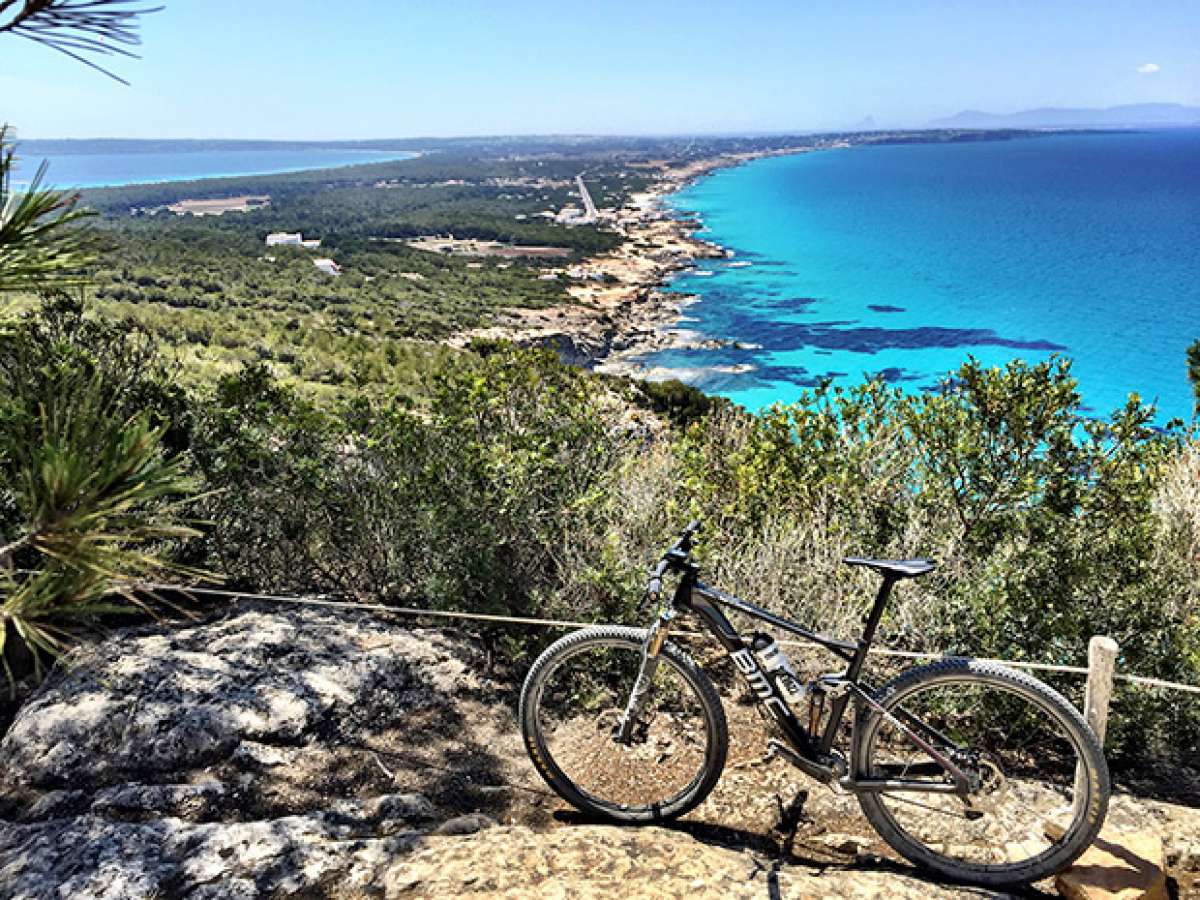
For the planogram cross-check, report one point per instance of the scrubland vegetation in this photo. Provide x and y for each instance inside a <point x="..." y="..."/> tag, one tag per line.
<point x="507" y="482"/>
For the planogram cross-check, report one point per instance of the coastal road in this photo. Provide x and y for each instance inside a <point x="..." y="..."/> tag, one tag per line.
<point x="589" y="208"/>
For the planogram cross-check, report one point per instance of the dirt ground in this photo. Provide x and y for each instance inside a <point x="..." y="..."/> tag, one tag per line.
<point x="476" y="762"/>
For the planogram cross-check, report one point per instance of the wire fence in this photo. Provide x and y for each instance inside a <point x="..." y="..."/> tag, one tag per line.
<point x="326" y="600"/>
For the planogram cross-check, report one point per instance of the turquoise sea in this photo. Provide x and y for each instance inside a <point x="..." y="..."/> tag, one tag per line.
<point x="904" y="259"/>
<point x="104" y="169"/>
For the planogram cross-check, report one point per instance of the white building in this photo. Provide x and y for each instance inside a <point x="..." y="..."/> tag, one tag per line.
<point x="291" y="239"/>
<point x="328" y="266"/>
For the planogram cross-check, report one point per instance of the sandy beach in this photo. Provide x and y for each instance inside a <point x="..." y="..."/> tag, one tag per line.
<point x="618" y="310"/>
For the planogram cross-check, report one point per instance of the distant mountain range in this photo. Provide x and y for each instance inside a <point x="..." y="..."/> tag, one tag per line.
<point x="1137" y="115"/>
<point x="866" y="124"/>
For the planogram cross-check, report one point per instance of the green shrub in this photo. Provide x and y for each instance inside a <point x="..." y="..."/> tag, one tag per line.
<point x="1193" y="370"/>
<point x="679" y="403"/>
<point x="465" y="502"/>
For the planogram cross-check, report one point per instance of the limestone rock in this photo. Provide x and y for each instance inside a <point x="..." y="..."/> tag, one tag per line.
<point x="253" y="755"/>
<point x="844" y="844"/>
<point x="1184" y="855"/>
<point x="1120" y="865"/>
<point x="128" y="773"/>
<point x="196" y="800"/>
<point x="611" y="862"/>
<point x="468" y="824"/>
<point x="154" y="703"/>
<point x="55" y="804"/>
<point x="88" y="858"/>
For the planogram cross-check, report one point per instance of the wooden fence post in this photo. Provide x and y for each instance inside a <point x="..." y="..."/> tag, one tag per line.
<point x="1102" y="661"/>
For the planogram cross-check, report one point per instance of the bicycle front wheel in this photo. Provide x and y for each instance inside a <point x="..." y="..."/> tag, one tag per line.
<point x="572" y="701"/>
<point x="1039" y="784"/>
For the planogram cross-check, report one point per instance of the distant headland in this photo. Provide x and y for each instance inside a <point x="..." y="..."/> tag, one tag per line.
<point x="1137" y="115"/>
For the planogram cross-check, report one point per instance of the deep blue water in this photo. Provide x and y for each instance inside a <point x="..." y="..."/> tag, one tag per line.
<point x="72" y="170"/>
<point x="905" y="259"/>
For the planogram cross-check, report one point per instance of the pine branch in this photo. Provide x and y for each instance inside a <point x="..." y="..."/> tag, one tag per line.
<point x="99" y="498"/>
<point x="79" y="28"/>
<point x="39" y="247"/>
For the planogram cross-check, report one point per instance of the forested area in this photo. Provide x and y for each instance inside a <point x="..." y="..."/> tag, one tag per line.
<point x="222" y="299"/>
<point x="210" y="288"/>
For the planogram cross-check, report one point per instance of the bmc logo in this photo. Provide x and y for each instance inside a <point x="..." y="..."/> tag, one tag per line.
<point x="758" y="682"/>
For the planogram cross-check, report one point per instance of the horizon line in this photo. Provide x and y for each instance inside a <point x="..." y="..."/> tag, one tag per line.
<point x="680" y="135"/>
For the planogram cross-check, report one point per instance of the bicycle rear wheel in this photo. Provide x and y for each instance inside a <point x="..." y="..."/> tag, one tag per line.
<point x="1028" y="813"/>
<point x="571" y="702"/>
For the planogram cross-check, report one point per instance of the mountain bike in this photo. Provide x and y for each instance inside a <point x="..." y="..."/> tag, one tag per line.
<point x="972" y="770"/>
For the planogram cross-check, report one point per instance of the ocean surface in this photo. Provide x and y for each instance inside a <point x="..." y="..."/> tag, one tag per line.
<point x="903" y="260"/>
<point x="104" y="169"/>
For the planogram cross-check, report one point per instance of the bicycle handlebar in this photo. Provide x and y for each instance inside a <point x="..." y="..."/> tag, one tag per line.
<point x="681" y="548"/>
<point x="654" y="587"/>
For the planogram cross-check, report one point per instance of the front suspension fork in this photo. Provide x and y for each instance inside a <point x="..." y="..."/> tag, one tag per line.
<point x="651" y="647"/>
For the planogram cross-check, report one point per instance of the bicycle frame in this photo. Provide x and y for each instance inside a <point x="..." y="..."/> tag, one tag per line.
<point x="813" y="754"/>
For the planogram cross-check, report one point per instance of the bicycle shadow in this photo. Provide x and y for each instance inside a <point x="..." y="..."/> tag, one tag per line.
<point x="773" y="852"/>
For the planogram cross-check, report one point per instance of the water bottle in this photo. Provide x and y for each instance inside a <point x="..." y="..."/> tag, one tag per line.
<point x="776" y="663"/>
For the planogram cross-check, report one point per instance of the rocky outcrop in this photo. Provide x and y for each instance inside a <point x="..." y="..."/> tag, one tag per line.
<point x="163" y="702"/>
<point x="1120" y="865"/>
<point x="597" y="337"/>
<point x="91" y="857"/>
<point x="239" y="758"/>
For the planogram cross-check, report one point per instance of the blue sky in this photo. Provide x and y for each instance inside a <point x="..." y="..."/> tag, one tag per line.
<point x="313" y="69"/>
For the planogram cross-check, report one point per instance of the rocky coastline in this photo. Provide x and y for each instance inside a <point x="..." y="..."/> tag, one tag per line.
<point x="619" y="310"/>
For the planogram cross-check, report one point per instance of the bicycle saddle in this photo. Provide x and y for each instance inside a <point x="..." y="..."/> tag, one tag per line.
<point x="896" y="568"/>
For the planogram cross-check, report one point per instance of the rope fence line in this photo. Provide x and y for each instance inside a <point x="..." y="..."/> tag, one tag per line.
<point x="323" y="600"/>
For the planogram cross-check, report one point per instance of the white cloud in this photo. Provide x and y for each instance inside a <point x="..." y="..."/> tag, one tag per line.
<point x="1148" y="68"/>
